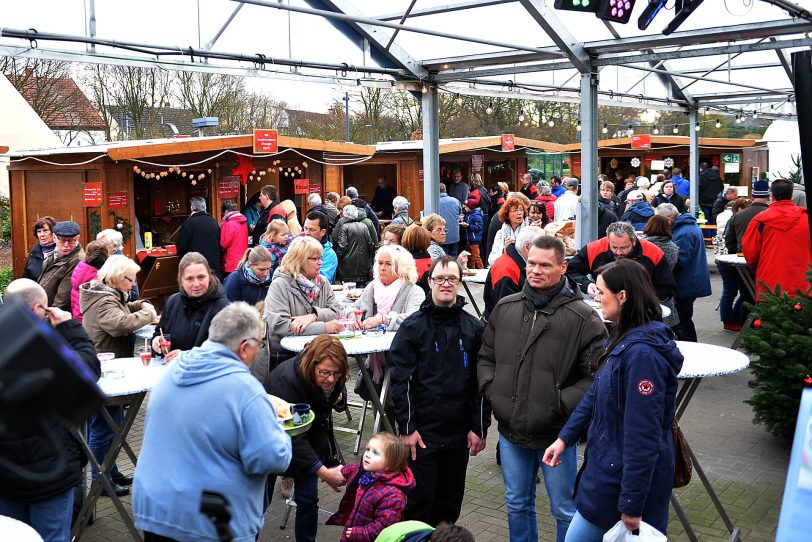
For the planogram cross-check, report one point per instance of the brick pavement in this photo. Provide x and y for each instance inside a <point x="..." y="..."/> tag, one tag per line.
<point x="746" y="466"/>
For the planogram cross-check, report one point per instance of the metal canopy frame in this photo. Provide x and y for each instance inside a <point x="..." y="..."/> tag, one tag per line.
<point x="490" y="73"/>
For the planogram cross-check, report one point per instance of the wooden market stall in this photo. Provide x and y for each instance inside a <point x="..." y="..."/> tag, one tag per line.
<point x="145" y="186"/>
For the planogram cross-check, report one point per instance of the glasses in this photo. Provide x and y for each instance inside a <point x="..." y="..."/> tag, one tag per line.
<point x="260" y="342"/>
<point x="131" y="280"/>
<point x="67" y="240"/>
<point x="439" y="230"/>
<point x="439" y="281"/>
<point x="327" y="374"/>
<point x="316" y="259"/>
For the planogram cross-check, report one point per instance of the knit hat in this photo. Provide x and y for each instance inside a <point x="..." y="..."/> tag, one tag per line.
<point x="761" y="189"/>
<point x="634" y="195"/>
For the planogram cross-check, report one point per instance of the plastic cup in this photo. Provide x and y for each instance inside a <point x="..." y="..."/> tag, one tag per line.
<point x="165" y="343"/>
<point x="145" y="353"/>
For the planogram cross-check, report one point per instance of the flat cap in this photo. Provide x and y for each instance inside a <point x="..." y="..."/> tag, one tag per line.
<point x="67" y="228"/>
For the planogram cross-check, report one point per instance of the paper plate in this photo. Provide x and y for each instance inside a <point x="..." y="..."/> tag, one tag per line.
<point x="280" y="405"/>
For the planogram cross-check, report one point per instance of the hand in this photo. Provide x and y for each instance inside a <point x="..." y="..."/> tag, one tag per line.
<point x="299" y="323"/>
<point x="57" y="316"/>
<point x="156" y="343"/>
<point x="412" y="442"/>
<point x="172" y="355"/>
<point x="475" y="444"/>
<point x="332" y="477"/>
<point x="146" y="306"/>
<point x="373" y="321"/>
<point x="631" y="522"/>
<point x="509" y="241"/>
<point x="348" y="532"/>
<point x="462" y="259"/>
<point x="592" y="290"/>
<point x="332" y="326"/>
<point x="552" y="452"/>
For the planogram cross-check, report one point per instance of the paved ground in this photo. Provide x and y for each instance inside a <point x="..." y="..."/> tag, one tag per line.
<point x="746" y="466"/>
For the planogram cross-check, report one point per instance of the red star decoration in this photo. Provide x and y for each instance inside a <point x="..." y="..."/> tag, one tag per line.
<point x="243" y="168"/>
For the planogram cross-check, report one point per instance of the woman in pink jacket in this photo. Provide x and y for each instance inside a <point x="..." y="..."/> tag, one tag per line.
<point x="96" y="253"/>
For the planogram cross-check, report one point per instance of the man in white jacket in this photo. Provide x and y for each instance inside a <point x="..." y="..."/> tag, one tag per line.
<point x="567" y="205"/>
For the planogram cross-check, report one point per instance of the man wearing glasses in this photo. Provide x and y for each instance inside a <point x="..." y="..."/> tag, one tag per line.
<point x="58" y="266"/>
<point x="442" y="418"/>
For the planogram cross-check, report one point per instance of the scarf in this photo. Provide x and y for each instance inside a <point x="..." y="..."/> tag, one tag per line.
<point x="384" y="297"/>
<point x="508" y="231"/>
<point x="310" y="288"/>
<point x="277" y="250"/>
<point x="366" y="480"/>
<point x="251" y="277"/>
<point x="47" y="249"/>
<point x="542" y="299"/>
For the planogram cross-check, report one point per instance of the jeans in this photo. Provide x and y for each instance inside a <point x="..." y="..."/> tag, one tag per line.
<point x="582" y="530"/>
<point x="51" y="518"/>
<point x="306" y="495"/>
<point x="520" y="467"/>
<point x="730" y="308"/>
<point x="439" y="475"/>
<point x="685" y="330"/>
<point x="100" y="436"/>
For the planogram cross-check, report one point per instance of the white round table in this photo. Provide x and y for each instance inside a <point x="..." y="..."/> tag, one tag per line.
<point x="732" y="259"/>
<point x="741" y="267"/>
<point x="703" y="360"/>
<point x="127" y="376"/>
<point x="357" y="346"/>
<point x="16" y="530"/>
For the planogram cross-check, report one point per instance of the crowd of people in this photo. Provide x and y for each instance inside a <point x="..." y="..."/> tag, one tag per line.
<point x="540" y="360"/>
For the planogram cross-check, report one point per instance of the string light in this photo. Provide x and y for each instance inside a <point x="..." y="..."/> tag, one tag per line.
<point x="698" y="127"/>
<point x="489" y="109"/>
<point x="521" y="116"/>
<point x="578" y="128"/>
<point x="718" y="124"/>
<point x="631" y="130"/>
<point x="605" y="129"/>
<point x="656" y="131"/>
<point x="551" y="123"/>
<point x="755" y="114"/>
<point x="676" y="129"/>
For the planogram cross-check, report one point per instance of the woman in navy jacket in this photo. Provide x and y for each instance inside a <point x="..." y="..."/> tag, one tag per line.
<point x="250" y="280"/>
<point x="628" y="473"/>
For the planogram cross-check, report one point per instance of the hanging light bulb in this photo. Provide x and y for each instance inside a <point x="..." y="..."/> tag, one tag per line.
<point x="698" y="127"/>
<point x="755" y="114"/>
<point x="424" y="89"/>
<point x="676" y="129"/>
<point x="718" y="124"/>
<point x="655" y="131"/>
<point x="605" y="129"/>
<point x="578" y="128"/>
<point x="489" y="109"/>
<point x="738" y="119"/>
<point x="551" y="123"/>
<point x="521" y="116"/>
<point x="630" y="130"/>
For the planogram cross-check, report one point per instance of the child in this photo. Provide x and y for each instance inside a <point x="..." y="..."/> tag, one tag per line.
<point x="376" y="490"/>
<point x="276" y="240"/>
<point x="476" y="224"/>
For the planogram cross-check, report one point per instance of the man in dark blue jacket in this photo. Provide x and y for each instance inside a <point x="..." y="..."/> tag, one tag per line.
<point x="691" y="272"/>
<point x="441" y="415"/>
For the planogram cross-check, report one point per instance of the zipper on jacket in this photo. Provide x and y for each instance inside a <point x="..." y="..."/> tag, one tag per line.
<point x="464" y="355"/>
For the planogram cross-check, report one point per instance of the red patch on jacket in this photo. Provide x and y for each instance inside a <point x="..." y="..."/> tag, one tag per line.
<point x="645" y="387"/>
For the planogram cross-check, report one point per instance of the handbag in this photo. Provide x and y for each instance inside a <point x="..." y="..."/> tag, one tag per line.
<point x="683" y="467"/>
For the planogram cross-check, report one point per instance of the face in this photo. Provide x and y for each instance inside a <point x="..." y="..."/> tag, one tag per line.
<point x="281" y="237"/>
<point x="611" y="302"/>
<point x="525" y="180"/>
<point x="312" y="266"/>
<point x="249" y="349"/>
<point x="260" y="269"/>
<point x="195" y="280"/>
<point x="263" y="199"/>
<point x="45" y="236"/>
<point x="732" y="195"/>
<point x="390" y="238"/>
<point x="516" y="216"/>
<point x="65" y="245"/>
<point x="386" y="271"/>
<point x="534" y="213"/>
<point x="606" y="193"/>
<point x="629" y="183"/>
<point x="445" y="293"/>
<point x="620" y="245"/>
<point x="327" y="374"/>
<point x="381" y="182"/>
<point x="125" y="284"/>
<point x="438" y="234"/>
<point x="313" y="229"/>
<point x="457" y="177"/>
<point x="543" y="268"/>
<point x="374" y="460"/>
<point x="668" y="189"/>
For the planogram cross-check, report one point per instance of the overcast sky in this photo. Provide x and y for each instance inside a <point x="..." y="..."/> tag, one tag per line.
<point x="263" y="30"/>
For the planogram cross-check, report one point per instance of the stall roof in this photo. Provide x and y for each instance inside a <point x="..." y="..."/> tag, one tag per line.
<point x="126" y="150"/>
<point x="671" y="140"/>
<point x="462" y="144"/>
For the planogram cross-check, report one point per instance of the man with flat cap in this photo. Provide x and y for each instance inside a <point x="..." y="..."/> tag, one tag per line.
<point x="58" y="266"/>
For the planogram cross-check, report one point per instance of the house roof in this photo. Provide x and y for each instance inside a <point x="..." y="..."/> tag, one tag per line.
<point x="462" y="144"/>
<point x="76" y="114"/>
<point x="161" y="117"/>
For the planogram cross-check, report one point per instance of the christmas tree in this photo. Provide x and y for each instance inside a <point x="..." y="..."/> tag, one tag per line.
<point x="780" y="345"/>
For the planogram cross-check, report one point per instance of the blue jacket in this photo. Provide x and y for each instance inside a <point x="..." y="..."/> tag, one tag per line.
<point x="238" y="288"/>
<point x="691" y="271"/>
<point x="329" y="260"/>
<point x="450" y="210"/>
<point x="557" y="191"/>
<point x="209" y="426"/>
<point x="681" y="185"/>
<point x="638" y="214"/>
<point x="629" y="408"/>
<point x="476" y="223"/>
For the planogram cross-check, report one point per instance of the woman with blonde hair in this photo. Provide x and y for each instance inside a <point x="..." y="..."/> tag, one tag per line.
<point x="250" y="280"/>
<point x="435" y="225"/>
<point x="300" y="300"/>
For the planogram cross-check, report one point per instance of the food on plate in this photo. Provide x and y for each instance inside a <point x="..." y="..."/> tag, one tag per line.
<point x="282" y="408"/>
<point x="468" y="272"/>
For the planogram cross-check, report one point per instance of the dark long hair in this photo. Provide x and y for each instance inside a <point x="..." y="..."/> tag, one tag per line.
<point x="642" y="305"/>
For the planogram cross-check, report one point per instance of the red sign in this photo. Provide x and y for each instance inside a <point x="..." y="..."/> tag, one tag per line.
<point x="508" y="142"/>
<point x="265" y="141"/>
<point x="315" y="189"/>
<point x="301" y="186"/>
<point x="228" y="186"/>
<point x="92" y="195"/>
<point x="641" y="141"/>
<point x="117" y="200"/>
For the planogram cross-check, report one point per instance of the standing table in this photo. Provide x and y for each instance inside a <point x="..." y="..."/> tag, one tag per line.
<point x="479" y="277"/>
<point x="701" y="361"/>
<point x="741" y="267"/>
<point x="125" y="381"/>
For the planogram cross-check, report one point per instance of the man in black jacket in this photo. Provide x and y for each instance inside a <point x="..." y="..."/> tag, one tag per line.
<point x="49" y="449"/>
<point x="201" y="233"/>
<point x="710" y="184"/>
<point x="441" y="416"/>
<point x="507" y="274"/>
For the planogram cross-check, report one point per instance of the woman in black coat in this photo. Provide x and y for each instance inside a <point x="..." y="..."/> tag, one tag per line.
<point x="317" y="377"/>
<point x="44" y="232"/>
<point x="188" y="313"/>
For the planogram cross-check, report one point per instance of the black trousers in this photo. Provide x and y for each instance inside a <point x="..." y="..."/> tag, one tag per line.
<point x="439" y="475"/>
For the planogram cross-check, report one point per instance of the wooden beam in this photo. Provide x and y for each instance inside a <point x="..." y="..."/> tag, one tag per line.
<point x="496" y="141"/>
<point x="539" y="144"/>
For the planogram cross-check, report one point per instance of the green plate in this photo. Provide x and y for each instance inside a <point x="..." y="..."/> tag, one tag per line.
<point x="294" y="430"/>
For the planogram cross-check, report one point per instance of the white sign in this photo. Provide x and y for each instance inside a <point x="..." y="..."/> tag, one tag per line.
<point x="476" y="162"/>
<point x="657" y="165"/>
<point x="732" y="167"/>
<point x="669" y="162"/>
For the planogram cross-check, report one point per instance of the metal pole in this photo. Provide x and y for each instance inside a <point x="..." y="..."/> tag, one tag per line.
<point x="347" y="117"/>
<point x="694" y="160"/>
<point x="431" y="151"/>
<point x="91" y="23"/>
<point x="587" y="229"/>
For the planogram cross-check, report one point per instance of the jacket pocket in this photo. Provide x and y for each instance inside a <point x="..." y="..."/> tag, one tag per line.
<point x="606" y="455"/>
<point x="543" y="403"/>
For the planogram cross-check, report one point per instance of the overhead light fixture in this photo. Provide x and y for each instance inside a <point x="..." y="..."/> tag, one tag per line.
<point x="676" y="129"/>
<point x="738" y="119"/>
<point x="682" y="8"/>
<point x="424" y="89"/>
<point x="577" y="5"/>
<point x="718" y="124"/>
<point x="521" y="115"/>
<point x="651" y="11"/>
<point x="616" y="11"/>
<point x="605" y="129"/>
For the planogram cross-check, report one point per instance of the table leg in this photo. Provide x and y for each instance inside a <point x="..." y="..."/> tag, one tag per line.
<point x="112" y="425"/>
<point x="689" y="531"/>
<point x="471" y="299"/>
<point x="685" y="394"/>
<point x="381" y="414"/>
<point x="376" y="400"/>
<point x="747" y="279"/>
<point x="709" y="489"/>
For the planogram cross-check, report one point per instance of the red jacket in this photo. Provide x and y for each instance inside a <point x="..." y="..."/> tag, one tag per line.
<point x="776" y="244"/>
<point x="369" y="509"/>
<point x="549" y="203"/>
<point x="233" y="239"/>
<point x="82" y="273"/>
